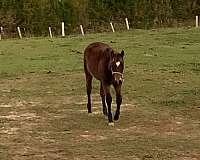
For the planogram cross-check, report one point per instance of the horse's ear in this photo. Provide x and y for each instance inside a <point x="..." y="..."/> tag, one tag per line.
<point x="122" y="53"/>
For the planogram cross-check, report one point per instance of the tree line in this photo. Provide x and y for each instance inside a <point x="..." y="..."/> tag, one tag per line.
<point x="35" y="16"/>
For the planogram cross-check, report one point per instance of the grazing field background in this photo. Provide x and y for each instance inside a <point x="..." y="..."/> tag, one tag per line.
<point x="43" y="100"/>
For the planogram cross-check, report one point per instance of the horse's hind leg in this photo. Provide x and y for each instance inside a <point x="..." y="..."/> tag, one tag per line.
<point x="103" y="100"/>
<point x="89" y="89"/>
<point x="88" y="77"/>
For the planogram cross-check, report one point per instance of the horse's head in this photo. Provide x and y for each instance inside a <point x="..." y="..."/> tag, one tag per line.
<point x="117" y="66"/>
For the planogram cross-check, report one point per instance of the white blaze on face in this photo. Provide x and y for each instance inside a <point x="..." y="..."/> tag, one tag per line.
<point x="117" y="64"/>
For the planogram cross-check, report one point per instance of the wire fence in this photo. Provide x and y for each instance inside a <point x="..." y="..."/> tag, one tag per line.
<point x="56" y="31"/>
<point x="62" y="29"/>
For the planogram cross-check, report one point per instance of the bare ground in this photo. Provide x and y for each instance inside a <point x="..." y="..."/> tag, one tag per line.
<point x="49" y="125"/>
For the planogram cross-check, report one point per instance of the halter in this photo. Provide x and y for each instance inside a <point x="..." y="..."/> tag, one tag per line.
<point x="119" y="73"/>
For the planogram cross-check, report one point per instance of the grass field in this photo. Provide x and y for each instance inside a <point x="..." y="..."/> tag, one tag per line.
<point x="43" y="112"/>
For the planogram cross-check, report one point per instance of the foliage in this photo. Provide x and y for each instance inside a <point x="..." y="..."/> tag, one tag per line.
<point x="37" y="15"/>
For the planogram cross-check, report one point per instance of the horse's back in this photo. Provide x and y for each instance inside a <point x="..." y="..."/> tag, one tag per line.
<point x="94" y="57"/>
<point x="95" y="48"/>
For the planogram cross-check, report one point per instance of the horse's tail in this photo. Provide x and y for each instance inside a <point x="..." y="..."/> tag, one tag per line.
<point x="85" y="65"/>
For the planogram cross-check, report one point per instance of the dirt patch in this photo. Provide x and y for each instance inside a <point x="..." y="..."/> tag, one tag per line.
<point x="89" y="137"/>
<point x="5" y="105"/>
<point x="9" y="131"/>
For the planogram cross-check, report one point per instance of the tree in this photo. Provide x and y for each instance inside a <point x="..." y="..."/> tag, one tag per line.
<point x="37" y="15"/>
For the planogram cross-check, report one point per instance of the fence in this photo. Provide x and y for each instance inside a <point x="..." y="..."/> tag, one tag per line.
<point x="21" y="32"/>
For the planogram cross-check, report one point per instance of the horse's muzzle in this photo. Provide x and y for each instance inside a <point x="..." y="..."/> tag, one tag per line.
<point x="118" y="79"/>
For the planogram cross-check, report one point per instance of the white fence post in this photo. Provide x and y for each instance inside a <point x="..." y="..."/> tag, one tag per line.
<point x="112" y="27"/>
<point x="127" y="24"/>
<point x="63" y="29"/>
<point x="19" y="32"/>
<point x="1" y="29"/>
<point x="50" y="33"/>
<point x="1" y="32"/>
<point x="197" y="21"/>
<point x="82" y="31"/>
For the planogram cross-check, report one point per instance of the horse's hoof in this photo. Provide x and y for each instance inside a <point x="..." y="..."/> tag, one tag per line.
<point x="111" y="124"/>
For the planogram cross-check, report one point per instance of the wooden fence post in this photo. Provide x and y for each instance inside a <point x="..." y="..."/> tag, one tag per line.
<point x="1" y="32"/>
<point x="19" y="32"/>
<point x="127" y="24"/>
<point x="197" y="21"/>
<point x="50" y="33"/>
<point x="63" y="29"/>
<point x="1" y="29"/>
<point x="82" y="31"/>
<point x="112" y="27"/>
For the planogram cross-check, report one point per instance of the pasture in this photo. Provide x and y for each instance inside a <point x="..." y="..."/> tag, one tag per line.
<point x="43" y="113"/>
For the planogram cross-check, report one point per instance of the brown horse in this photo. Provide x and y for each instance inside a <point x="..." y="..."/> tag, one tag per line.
<point x="106" y="65"/>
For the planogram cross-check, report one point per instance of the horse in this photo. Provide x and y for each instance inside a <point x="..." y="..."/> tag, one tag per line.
<point x="106" y="65"/>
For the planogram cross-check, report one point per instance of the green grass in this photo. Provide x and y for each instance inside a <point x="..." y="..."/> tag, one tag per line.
<point x="43" y="100"/>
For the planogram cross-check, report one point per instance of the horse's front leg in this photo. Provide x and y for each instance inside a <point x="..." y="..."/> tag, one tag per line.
<point x="103" y="100"/>
<point x="109" y="101"/>
<point x="106" y="89"/>
<point x="118" y="101"/>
